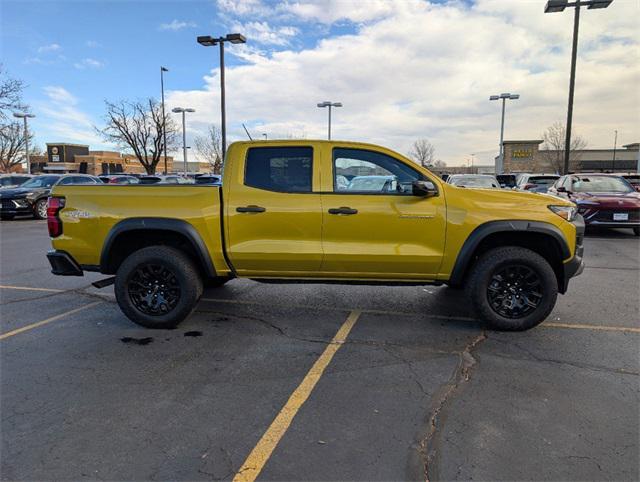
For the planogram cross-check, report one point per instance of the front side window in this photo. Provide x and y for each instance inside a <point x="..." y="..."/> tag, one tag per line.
<point x="40" y="181"/>
<point x="280" y="169"/>
<point x="370" y="172"/>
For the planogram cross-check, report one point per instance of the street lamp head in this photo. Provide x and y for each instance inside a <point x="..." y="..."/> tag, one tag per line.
<point x="494" y="97"/>
<point x="337" y="104"/>
<point x="599" y="4"/>
<point x="164" y="69"/>
<point x="189" y="110"/>
<point x="326" y="103"/>
<point x="505" y="95"/>
<point x="236" y="38"/>
<point x="177" y="110"/>
<point x="22" y="115"/>
<point x="554" y="6"/>
<point x="207" y="40"/>
<point x="514" y="96"/>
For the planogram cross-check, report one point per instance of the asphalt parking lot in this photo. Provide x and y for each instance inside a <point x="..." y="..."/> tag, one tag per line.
<point x="317" y="382"/>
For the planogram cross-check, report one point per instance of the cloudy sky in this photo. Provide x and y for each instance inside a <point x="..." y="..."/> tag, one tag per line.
<point x="404" y="69"/>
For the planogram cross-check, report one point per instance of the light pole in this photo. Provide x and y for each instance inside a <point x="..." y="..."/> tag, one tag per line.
<point x="329" y="104"/>
<point x="554" y="6"/>
<point x="209" y="41"/>
<point x="180" y="110"/>
<point x="265" y="135"/>
<point x="504" y="97"/>
<point x="615" y="144"/>
<point x="164" y="119"/>
<point x="24" y="116"/>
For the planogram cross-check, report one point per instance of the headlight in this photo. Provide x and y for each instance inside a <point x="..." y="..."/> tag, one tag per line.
<point x="565" y="212"/>
<point x="21" y="203"/>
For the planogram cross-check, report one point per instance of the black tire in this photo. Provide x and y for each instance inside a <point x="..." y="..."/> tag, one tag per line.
<point x="525" y="277"/>
<point x="40" y="209"/>
<point x="636" y="231"/>
<point x="7" y="217"/>
<point x="161" y="268"/>
<point x="216" y="282"/>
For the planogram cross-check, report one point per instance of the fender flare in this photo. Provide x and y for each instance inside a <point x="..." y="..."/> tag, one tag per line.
<point x="465" y="256"/>
<point x="162" y="224"/>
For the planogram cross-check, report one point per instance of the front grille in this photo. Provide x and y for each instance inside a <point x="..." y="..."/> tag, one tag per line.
<point x="607" y="214"/>
<point x="8" y="204"/>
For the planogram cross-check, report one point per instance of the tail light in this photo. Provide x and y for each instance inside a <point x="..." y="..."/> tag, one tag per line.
<point x="54" y="223"/>
<point x="528" y="186"/>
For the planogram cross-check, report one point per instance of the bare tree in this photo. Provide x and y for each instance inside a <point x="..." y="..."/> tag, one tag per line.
<point x="138" y="126"/>
<point x="423" y="152"/>
<point x="10" y="96"/>
<point x="209" y="148"/>
<point x="553" y="147"/>
<point x="440" y="164"/>
<point x="12" y="143"/>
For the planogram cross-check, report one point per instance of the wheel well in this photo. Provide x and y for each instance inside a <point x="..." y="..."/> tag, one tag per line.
<point x="543" y="244"/>
<point x="130" y="241"/>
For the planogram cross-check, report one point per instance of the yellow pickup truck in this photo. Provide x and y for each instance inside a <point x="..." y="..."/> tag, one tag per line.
<point x="318" y="211"/>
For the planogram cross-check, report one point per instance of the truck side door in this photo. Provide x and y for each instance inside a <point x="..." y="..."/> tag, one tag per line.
<point x="373" y="226"/>
<point x="273" y="214"/>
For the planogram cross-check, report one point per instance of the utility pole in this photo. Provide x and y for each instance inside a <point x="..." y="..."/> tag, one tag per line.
<point x="615" y="144"/>
<point x="164" y="118"/>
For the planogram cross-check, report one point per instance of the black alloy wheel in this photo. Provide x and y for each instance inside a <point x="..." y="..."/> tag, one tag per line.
<point x="515" y="291"/>
<point x="154" y="289"/>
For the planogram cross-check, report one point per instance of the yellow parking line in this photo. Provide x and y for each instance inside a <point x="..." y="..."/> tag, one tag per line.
<point x="578" y="326"/>
<point x="48" y="320"/>
<point x="262" y="451"/>
<point x="28" y="288"/>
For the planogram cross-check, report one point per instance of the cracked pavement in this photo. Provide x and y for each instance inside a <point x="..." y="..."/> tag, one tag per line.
<point x="417" y="392"/>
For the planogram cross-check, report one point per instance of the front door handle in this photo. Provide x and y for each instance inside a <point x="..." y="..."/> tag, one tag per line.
<point x="251" y="209"/>
<point x="343" y="210"/>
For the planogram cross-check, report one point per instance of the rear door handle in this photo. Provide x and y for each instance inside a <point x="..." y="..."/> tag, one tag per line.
<point x="251" y="209"/>
<point x="343" y="210"/>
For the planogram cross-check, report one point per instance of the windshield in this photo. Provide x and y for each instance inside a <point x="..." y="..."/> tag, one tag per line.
<point x="475" y="182"/>
<point x="542" y="181"/>
<point x="601" y="184"/>
<point x="40" y="181"/>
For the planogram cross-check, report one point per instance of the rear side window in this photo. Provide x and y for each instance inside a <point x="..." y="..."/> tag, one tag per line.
<point x="281" y="169"/>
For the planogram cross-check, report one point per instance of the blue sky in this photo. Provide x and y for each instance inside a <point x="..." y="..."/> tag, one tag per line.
<point x="403" y="70"/>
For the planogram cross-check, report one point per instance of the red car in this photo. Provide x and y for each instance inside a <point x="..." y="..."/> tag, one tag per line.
<point x="604" y="200"/>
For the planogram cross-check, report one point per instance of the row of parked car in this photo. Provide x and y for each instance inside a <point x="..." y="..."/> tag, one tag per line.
<point x="603" y="199"/>
<point x="23" y="194"/>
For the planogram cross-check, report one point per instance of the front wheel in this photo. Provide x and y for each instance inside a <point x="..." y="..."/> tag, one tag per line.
<point x="40" y="209"/>
<point x="158" y="287"/>
<point x="512" y="288"/>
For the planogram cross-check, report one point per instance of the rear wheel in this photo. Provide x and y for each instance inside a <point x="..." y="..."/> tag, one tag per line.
<point x="512" y="288"/>
<point x="158" y="287"/>
<point x="40" y="209"/>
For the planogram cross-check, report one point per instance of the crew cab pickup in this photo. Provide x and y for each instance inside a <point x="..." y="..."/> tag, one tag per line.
<point x="290" y="211"/>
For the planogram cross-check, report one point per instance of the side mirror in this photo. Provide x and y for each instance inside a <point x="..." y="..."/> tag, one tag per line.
<point x="424" y="189"/>
<point x="561" y="189"/>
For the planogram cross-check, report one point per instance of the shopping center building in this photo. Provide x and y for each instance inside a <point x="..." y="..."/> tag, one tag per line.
<point x="527" y="156"/>
<point x="64" y="158"/>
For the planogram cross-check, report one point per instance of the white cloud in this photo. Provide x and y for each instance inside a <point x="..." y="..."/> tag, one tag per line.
<point x="89" y="63"/>
<point x="263" y="33"/>
<point x="426" y="70"/>
<point x="176" y="25"/>
<point x="49" y="48"/>
<point x="63" y="119"/>
<point x="92" y="44"/>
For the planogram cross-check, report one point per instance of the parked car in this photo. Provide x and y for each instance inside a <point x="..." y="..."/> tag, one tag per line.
<point x="165" y="179"/>
<point x="484" y="181"/>
<point x="603" y="199"/>
<point x="13" y="180"/>
<point x="279" y="215"/>
<point x="119" y="179"/>
<point x="31" y="196"/>
<point x="507" y="181"/>
<point x="536" y="182"/>
<point x="208" y="179"/>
